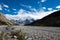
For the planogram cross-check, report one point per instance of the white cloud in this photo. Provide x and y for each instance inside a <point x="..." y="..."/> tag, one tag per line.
<point x="0" y="7"/>
<point x="27" y="6"/>
<point x="43" y="0"/>
<point x="14" y="9"/>
<point x="33" y="9"/>
<point x="5" y="5"/>
<point x="15" y="12"/>
<point x="58" y="7"/>
<point x="50" y="9"/>
<point x="44" y="7"/>
<point x="7" y="10"/>
<point x="21" y="11"/>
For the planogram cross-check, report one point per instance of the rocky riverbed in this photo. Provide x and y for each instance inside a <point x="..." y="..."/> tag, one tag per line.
<point x="37" y="33"/>
<point x="43" y="35"/>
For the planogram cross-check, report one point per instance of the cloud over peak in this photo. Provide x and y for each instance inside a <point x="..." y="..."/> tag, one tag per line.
<point x="58" y="6"/>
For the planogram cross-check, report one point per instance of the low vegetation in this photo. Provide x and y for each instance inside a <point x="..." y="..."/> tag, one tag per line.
<point x="1" y="35"/>
<point x="19" y="35"/>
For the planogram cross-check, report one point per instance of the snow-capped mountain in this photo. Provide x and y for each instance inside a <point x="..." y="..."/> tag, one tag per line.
<point x="24" y="17"/>
<point x="25" y="20"/>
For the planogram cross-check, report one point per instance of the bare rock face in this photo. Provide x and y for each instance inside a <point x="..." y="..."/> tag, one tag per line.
<point x="4" y="20"/>
<point x="51" y="20"/>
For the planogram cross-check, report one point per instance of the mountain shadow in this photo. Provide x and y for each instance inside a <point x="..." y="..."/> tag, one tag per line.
<point x="51" y="20"/>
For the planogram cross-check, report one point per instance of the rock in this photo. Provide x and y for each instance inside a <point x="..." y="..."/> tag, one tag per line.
<point x="29" y="39"/>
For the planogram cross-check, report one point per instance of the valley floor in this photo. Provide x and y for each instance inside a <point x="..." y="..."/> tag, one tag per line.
<point x="36" y="33"/>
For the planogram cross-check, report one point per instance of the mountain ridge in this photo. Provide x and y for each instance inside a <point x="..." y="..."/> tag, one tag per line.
<point x="51" y="20"/>
<point x="4" y="20"/>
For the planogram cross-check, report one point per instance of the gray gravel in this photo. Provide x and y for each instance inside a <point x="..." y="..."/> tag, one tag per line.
<point x="37" y="33"/>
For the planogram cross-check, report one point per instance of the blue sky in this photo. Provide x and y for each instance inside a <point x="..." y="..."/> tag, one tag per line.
<point x="18" y="7"/>
<point x="18" y="4"/>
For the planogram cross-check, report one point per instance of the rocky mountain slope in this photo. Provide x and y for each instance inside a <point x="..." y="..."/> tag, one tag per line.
<point x="4" y="20"/>
<point x="51" y="20"/>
